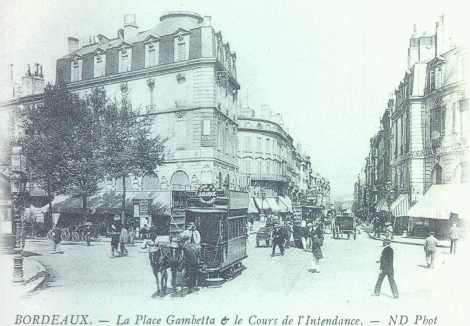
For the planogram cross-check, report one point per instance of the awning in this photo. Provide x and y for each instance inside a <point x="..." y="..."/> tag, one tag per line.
<point x="262" y="204"/>
<point x="382" y="206"/>
<point x="401" y="205"/>
<point x="252" y="207"/>
<point x="442" y="200"/>
<point x="283" y="207"/>
<point x="273" y="204"/>
<point x="286" y="201"/>
<point x="110" y="203"/>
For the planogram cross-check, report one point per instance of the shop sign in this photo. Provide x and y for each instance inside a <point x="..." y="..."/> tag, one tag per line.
<point x="207" y="194"/>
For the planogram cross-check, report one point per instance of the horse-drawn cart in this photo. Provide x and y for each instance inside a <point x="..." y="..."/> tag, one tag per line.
<point x="344" y="225"/>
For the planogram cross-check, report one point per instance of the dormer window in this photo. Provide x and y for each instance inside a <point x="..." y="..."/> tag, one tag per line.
<point x="151" y="53"/>
<point x="181" y="50"/>
<point x="99" y="65"/>
<point x="76" y="68"/>
<point x="125" y="57"/>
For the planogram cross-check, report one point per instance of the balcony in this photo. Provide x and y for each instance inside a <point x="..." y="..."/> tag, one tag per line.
<point x="268" y="177"/>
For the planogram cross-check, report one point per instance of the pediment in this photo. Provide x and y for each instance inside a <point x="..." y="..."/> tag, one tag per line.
<point x="99" y="50"/>
<point x="151" y="38"/>
<point x="437" y="61"/>
<point x="75" y="56"/>
<point x="124" y="45"/>
<point x="180" y="31"/>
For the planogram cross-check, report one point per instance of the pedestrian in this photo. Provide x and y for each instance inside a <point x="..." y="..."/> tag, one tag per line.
<point x="309" y="235"/>
<point x="430" y="247"/>
<point x="376" y="224"/>
<point x="88" y="234"/>
<point x="304" y="233"/>
<point x="114" y="241"/>
<point x="317" y="253"/>
<point x="386" y="269"/>
<point x="123" y="239"/>
<point x="132" y="235"/>
<point x="454" y="234"/>
<point x="56" y="239"/>
<point x="278" y="239"/>
<point x="143" y="232"/>
<point x="388" y="231"/>
<point x="288" y="228"/>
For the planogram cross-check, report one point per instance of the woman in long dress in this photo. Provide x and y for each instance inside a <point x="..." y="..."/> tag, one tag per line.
<point x="317" y="254"/>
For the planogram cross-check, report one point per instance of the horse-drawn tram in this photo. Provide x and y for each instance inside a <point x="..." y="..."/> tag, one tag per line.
<point x="220" y="216"/>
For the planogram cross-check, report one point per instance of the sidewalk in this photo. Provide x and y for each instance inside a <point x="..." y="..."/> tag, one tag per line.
<point x="34" y="274"/>
<point x="409" y="240"/>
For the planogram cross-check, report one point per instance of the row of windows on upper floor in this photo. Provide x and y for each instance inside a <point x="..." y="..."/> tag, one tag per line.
<point x="151" y="58"/>
<point x="271" y="146"/>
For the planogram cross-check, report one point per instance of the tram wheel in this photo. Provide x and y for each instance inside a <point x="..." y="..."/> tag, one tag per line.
<point x="75" y="236"/>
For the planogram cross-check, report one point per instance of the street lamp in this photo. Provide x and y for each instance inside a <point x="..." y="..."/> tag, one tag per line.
<point x="18" y="191"/>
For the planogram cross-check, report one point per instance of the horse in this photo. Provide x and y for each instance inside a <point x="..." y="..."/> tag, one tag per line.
<point x="180" y="258"/>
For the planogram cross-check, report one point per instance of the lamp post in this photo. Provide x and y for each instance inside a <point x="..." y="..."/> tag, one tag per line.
<point x="390" y="197"/>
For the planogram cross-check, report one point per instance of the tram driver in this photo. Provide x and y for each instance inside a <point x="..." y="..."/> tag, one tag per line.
<point x="192" y="234"/>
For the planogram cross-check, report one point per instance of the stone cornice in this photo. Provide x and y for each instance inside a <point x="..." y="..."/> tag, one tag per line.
<point x="146" y="73"/>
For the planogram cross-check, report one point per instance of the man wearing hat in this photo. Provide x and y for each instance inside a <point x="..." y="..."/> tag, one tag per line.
<point x="454" y="235"/>
<point x="386" y="269"/>
<point x="278" y="239"/>
<point x="430" y="246"/>
<point x="192" y="234"/>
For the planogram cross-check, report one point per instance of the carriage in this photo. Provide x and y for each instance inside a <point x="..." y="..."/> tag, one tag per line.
<point x="344" y="225"/>
<point x="220" y="216"/>
<point x="308" y="214"/>
<point x="78" y="232"/>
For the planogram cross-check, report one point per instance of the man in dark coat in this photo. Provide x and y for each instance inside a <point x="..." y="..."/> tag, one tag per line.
<point x="278" y="239"/>
<point x="386" y="268"/>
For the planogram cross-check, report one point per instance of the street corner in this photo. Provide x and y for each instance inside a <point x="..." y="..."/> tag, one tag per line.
<point x="21" y="276"/>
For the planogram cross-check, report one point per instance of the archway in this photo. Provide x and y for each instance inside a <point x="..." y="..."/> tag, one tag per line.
<point x="436" y="175"/>
<point x="118" y="184"/>
<point x="462" y="173"/>
<point x="179" y="179"/>
<point x="150" y="182"/>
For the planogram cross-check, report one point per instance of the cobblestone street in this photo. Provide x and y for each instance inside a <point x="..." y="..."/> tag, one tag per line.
<point x="85" y="280"/>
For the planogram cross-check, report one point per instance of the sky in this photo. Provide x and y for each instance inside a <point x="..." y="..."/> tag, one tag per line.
<point x="328" y="67"/>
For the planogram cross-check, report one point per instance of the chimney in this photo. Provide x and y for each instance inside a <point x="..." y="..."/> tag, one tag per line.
<point x="36" y="73"/>
<point x="121" y="33"/>
<point x="102" y="39"/>
<point x="32" y="84"/>
<point x="440" y="36"/>
<point x="40" y="72"/>
<point x="73" y="44"/>
<point x="207" y="20"/>
<point x="130" y="27"/>
<point x="415" y="31"/>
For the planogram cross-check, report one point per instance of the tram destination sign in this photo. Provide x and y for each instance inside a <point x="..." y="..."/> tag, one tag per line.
<point x="207" y="194"/>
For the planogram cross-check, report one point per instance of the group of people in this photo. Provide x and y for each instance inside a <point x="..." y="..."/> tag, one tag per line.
<point x="430" y="249"/>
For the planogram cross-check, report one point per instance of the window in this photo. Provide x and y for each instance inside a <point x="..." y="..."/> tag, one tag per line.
<point x="437" y="123"/>
<point x="454" y="116"/>
<point x="181" y="51"/>
<point x="76" y="70"/>
<point x="206" y="128"/>
<point x="125" y="59"/>
<point x="181" y="134"/>
<point x="248" y="166"/>
<point x="259" y="167"/>
<point x="99" y="65"/>
<point x="247" y="144"/>
<point x="268" y="146"/>
<point x="258" y="145"/>
<point x="436" y="176"/>
<point x="181" y="48"/>
<point x="464" y="116"/>
<point x="151" y="54"/>
<point x="268" y="167"/>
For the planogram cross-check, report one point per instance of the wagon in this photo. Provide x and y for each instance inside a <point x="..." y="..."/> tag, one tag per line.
<point x="344" y="225"/>
<point x="264" y="236"/>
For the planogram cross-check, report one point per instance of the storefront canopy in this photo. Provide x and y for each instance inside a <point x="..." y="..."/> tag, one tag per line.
<point x="382" y="206"/>
<point x="261" y="204"/>
<point x="252" y="207"/>
<point x="442" y="200"/>
<point x="401" y="206"/>
<point x="273" y="204"/>
<point x="283" y="207"/>
<point x="286" y="201"/>
<point x="110" y="203"/>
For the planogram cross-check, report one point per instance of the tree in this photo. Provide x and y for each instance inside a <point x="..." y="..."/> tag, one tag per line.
<point x="128" y="145"/>
<point x="61" y="139"/>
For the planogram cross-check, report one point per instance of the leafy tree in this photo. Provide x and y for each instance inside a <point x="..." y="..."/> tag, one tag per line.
<point x="128" y="145"/>
<point x="61" y="139"/>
